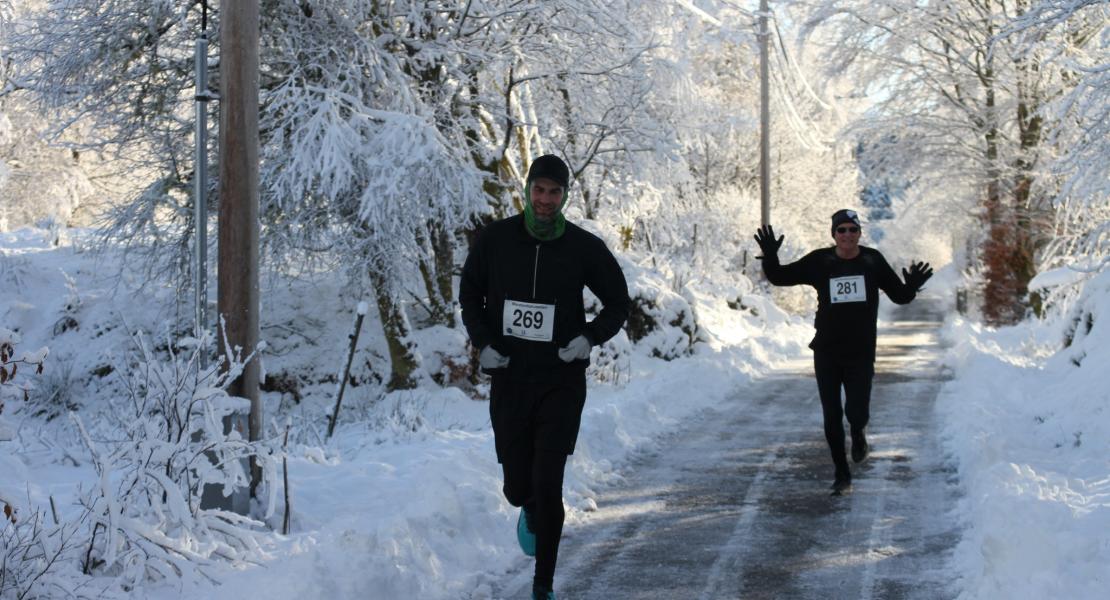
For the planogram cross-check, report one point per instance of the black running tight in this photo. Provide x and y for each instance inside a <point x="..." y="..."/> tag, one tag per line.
<point x="534" y="480"/>
<point x="832" y="375"/>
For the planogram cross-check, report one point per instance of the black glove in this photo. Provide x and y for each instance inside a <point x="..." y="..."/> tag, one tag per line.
<point x="919" y="273"/>
<point x="765" y="237"/>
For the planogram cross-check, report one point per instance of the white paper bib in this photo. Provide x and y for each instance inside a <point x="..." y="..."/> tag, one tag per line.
<point x="528" y="321"/>
<point x="847" y="289"/>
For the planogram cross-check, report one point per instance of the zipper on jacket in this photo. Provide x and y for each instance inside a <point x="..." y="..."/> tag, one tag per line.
<point x="535" y="271"/>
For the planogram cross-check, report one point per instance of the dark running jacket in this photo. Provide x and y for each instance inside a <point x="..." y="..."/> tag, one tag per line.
<point x="506" y="263"/>
<point x="847" y="297"/>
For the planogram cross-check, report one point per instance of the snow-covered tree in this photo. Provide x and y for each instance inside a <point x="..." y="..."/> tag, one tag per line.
<point x="389" y="129"/>
<point x="1073" y="38"/>
<point x="40" y="182"/>
<point x="956" y="103"/>
<point x="386" y="126"/>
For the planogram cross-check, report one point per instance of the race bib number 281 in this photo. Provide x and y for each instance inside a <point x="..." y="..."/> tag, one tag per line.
<point x="847" y="289"/>
<point x="529" y="321"/>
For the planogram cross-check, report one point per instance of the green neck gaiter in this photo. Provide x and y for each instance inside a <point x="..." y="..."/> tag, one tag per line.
<point x="543" y="230"/>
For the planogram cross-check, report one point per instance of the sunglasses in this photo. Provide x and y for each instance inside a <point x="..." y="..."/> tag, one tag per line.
<point x="847" y="229"/>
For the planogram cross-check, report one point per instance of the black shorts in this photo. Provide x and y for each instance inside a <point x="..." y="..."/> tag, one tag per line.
<point x="536" y="416"/>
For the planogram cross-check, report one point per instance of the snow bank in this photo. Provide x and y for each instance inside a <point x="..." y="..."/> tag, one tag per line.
<point x="1028" y="425"/>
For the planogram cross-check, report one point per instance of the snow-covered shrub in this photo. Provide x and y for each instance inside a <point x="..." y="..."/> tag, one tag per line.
<point x="167" y="444"/>
<point x="33" y="552"/>
<point x="37" y="559"/>
<point x="447" y="355"/>
<point x="14" y="271"/>
<point x="661" y="320"/>
<point x="53" y="394"/>
<point x="612" y="361"/>
<point x="9" y="369"/>
<point x="68" y="319"/>
<point x="1084" y="321"/>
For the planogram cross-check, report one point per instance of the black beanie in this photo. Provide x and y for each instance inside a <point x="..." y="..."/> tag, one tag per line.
<point x="844" y="215"/>
<point x="550" y="167"/>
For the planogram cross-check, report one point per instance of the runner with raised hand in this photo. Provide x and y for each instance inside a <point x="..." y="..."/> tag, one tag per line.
<point x="847" y="277"/>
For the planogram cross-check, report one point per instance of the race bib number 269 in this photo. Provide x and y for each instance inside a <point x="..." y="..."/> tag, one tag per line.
<point x="847" y="289"/>
<point x="529" y="321"/>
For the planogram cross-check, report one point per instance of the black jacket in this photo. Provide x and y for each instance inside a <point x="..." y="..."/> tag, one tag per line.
<point x="845" y="328"/>
<point x="506" y="262"/>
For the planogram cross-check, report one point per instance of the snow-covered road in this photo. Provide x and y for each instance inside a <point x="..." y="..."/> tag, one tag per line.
<point x="734" y="504"/>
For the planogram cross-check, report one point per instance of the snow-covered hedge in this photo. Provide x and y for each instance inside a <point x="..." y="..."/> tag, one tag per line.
<point x="662" y="320"/>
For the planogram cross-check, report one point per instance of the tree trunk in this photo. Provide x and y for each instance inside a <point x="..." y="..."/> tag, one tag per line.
<point x="589" y="205"/>
<point x="1001" y="302"/>
<point x="436" y="270"/>
<point x="1030" y="222"/>
<point x="403" y="356"/>
<point x="487" y="161"/>
<point x="443" y="247"/>
<point x="1034" y="217"/>
<point x="437" y="312"/>
<point x="999" y="291"/>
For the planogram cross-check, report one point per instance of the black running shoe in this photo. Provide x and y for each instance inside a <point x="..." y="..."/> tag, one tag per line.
<point x="842" y="483"/>
<point x="860" y="447"/>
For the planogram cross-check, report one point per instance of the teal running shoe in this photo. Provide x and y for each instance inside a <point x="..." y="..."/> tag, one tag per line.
<point x="542" y="593"/>
<point x="524" y="534"/>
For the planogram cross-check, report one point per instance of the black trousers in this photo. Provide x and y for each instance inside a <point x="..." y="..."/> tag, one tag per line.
<point x="855" y="378"/>
<point x="535" y="427"/>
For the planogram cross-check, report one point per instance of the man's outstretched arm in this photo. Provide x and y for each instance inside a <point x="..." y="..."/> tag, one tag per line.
<point x="777" y="273"/>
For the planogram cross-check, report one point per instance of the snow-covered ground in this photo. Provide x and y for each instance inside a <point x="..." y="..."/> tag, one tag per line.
<point x="405" y="502"/>
<point x="1029" y="425"/>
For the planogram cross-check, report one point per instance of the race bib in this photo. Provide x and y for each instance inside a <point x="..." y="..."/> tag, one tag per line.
<point x="847" y="289"/>
<point x="529" y="321"/>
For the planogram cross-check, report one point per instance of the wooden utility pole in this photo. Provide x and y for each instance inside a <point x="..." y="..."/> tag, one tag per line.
<point x="764" y="119"/>
<point x="200" y="191"/>
<point x="238" y="216"/>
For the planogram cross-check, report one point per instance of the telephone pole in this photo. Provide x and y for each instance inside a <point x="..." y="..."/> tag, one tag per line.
<point x="200" y="190"/>
<point x="764" y="119"/>
<point x="238" y="301"/>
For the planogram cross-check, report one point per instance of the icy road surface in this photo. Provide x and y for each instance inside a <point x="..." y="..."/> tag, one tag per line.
<point x="735" y="504"/>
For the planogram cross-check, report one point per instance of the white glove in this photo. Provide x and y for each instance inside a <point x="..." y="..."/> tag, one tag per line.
<point x="576" y="349"/>
<point x="492" y="359"/>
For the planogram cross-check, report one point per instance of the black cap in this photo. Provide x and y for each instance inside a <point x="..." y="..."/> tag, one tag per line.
<point x="845" y="215"/>
<point x="550" y="167"/>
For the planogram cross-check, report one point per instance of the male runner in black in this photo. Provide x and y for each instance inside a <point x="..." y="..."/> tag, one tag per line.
<point x="847" y="278"/>
<point x="521" y="297"/>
